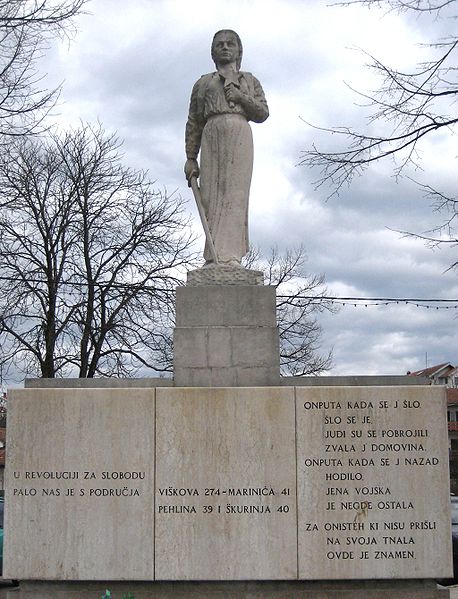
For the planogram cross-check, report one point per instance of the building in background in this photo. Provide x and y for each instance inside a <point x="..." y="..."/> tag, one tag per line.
<point x="447" y="374"/>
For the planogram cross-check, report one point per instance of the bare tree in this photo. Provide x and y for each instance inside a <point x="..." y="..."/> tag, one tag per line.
<point x="26" y="26"/>
<point x="91" y="253"/>
<point x="300" y="298"/>
<point x="432" y="7"/>
<point x="405" y="109"/>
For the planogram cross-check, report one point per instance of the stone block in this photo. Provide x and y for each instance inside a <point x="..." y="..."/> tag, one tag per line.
<point x="97" y="383"/>
<point x="226" y="377"/>
<point x="226" y="356"/>
<point x="219" y="347"/>
<point x="220" y="305"/>
<point x="257" y="347"/>
<point x="80" y="476"/>
<point x="373" y="483"/>
<point x="195" y="377"/>
<point x="190" y="347"/>
<point x="224" y="458"/>
<point x="354" y="381"/>
<point x="256" y="376"/>
<point x="227" y="330"/>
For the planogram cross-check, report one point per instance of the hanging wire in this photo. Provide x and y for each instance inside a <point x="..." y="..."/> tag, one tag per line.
<point x="366" y="302"/>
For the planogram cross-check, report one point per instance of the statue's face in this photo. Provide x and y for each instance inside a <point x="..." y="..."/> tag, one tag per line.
<point x="225" y="48"/>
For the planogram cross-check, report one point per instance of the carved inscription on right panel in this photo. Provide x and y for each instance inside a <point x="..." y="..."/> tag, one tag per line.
<point x="373" y="499"/>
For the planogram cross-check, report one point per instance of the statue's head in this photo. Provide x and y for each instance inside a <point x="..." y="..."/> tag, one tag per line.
<point x="232" y="39"/>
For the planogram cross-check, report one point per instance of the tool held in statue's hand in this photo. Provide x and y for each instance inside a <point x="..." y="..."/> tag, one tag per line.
<point x="203" y="218"/>
<point x="231" y="79"/>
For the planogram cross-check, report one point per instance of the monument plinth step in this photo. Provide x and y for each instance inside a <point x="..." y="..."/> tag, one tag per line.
<point x="222" y="274"/>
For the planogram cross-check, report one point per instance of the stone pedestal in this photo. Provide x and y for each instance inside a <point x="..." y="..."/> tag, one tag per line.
<point x="226" y="336"/>
<point x="184" y="486"/>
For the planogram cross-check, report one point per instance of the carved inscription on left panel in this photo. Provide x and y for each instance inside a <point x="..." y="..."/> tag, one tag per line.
<point x="80" y="476"/>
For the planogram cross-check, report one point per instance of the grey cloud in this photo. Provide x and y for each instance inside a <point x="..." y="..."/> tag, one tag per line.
<point x="139" y="83"/>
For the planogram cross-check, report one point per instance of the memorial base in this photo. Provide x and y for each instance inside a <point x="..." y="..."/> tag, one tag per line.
<point x="226" y="336"/>
<point x="235" y="590"/>
<point x="201" y="490"/>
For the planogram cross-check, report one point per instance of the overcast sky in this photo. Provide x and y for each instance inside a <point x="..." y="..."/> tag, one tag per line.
<point x="132" y="65"/>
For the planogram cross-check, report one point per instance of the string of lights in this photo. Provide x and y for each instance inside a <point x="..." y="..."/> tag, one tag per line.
<point x="366" y="302"/>
<point x="356" y="302"/>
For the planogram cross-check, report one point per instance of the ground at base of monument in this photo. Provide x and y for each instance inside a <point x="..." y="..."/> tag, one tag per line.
<point x="6" y="586"/>
<point x="237" y="590"/>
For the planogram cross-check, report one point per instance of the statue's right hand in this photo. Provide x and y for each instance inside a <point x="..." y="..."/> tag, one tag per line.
<point x="191" y="169"/>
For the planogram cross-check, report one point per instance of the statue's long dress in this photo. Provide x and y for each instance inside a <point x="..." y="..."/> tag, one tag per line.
<point x="225" y="140"/>
<point x="226" y="158"/>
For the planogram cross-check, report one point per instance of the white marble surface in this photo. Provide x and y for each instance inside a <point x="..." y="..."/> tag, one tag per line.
<point x="52" y="532"/>
<point x="266" y="483"/>
<point x="236" y="449"/>
<point x="385" y="513"/>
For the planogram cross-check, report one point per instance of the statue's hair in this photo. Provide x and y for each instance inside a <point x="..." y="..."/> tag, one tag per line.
<point x="239" y="42"/>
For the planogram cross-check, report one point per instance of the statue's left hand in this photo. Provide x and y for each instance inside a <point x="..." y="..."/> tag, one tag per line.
<point x="233" y="94"/>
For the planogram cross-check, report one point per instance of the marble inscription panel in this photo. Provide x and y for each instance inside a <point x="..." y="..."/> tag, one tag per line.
<point x="225" y="484"/>
<point x="80" y="474"/>
<point x="373" y="483"/>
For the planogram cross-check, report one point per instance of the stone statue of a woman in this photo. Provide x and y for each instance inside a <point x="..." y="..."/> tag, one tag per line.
<point x="221" y="105"/>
